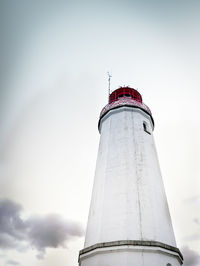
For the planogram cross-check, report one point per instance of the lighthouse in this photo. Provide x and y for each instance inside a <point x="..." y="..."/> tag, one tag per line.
<point x="129" y="222"/>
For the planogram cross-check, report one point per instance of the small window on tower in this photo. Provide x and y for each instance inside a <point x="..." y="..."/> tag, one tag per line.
<point x="169" y="264"/>
<point x="146" y="128"/>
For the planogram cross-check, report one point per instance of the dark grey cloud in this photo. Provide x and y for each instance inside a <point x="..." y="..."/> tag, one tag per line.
<point x="12" y="227"/>
<point x="37" y="232"/>
<point x="50" y="231"/>
<point x="12" y="262"/>
<point x="191" y="257"/>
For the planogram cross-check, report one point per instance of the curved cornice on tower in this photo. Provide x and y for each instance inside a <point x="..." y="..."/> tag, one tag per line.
<point x="125" y="101"/>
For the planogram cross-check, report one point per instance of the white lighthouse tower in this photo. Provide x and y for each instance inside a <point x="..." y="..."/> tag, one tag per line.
<point x="129" y="222"/>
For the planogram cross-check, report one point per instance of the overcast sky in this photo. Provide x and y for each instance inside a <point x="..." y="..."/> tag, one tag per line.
<point x="54" y="59"/>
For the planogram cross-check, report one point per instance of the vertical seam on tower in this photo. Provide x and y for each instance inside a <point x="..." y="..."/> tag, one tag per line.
<point x="126" y="222"/>
<point x="137" y="180"/>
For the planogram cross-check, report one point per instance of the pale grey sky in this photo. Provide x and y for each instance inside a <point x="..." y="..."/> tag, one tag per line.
<point x="54" y="60"/>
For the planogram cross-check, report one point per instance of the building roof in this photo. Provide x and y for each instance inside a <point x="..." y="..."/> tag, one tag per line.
<point x="125" y="96"/>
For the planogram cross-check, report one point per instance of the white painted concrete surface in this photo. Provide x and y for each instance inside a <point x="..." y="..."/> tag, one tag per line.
<point x="128" y="199"/>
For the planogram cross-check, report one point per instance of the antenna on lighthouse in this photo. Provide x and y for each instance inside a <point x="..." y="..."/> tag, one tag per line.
<point x="109" y="77"/>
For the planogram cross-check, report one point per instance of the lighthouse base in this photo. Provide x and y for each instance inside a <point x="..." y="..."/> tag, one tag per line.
<point x="130" y="253"/>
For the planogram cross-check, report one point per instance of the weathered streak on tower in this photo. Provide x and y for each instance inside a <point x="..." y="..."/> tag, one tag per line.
<point x="129" y="222"/>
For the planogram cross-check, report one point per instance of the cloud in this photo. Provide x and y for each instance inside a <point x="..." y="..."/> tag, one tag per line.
<point x="191" y="257"/>
<point x="12" y="227"/>
<point x="51" y="231"/>
<point x="193" y="237"/>
<point x="196" y="221"/>
<point x="12" y="262"/>
<point x="37" y="231"/>
<point x="193" y="200"/>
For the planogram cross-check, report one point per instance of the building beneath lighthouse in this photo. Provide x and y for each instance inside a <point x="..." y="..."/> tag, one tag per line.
<point x="129" y="222"/>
